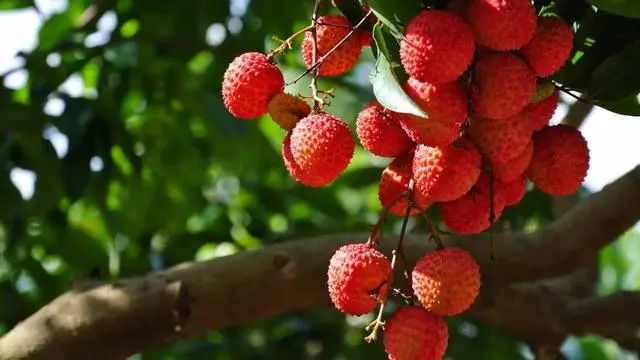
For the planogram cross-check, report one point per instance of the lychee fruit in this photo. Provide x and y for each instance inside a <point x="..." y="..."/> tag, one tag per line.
<point x="356" y="277"/>
<point x="330" y="30"/>
<point x="560" y="160"/>
<point x="471" y="213"/>
<point x="286" y="110"/>
<point x="500" y="140"/>
<point x="513" y="191"/>
<point x="321" y="147"/>
<point x="379" y="131"/>
<point x="446" y="107"/>
<point x="446" y="173"/>
<point x="514" y="168"/>
<point x="411" y="333"/>
<point x="538" y="114"/>
<point x="502" y="24"/>
<point x="437" y="46"/>
<point x="395" y="182"/>
<point x="502" y="85"/>
<point x="550" y="46"/>
<point x="447" y="281"/>
<point x="249" y="83"/>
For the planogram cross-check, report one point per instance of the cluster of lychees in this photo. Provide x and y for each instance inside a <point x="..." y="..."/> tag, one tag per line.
<point x="479" y="70"/>
<point x="445" y="282"/>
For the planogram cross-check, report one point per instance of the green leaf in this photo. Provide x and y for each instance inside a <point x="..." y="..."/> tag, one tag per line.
<point x="617" y="76"/>
<point x="54" y="30"/>
<point x="629" y="106"/>
<point x="394" y="14"/>
<point x="14" y="4"/>
<point x="626" y="8"/>
<point x="388" y="75"/>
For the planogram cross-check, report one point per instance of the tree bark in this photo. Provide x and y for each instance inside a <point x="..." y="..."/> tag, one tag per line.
<point x="113" y="321"/>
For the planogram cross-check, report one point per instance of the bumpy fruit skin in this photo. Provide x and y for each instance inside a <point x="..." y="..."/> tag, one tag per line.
<point x="411" y="333"/>
<point x="500" y="140"/>
<point x="502" y="85"/>
<point x="502" y="24"/>
<point x="560" y="160"/>
<point x="379" y="131"/>
<point x="321" y="146"/>
<point x="286" y="110"/>
<point x="446" y="282"/>
<point x="249" y="83"/>
<point x="471" y="213"/>
<point x="446" y="106"/>
<point x="330" y="31"/>
<point x="514" y="168"/>
<point x="513" y="191"/>
<point x="437" y="46"/>
<point x="550" y="46"/>
<point x="355" y="273"/>
<point x="394" y="182"/>
<point x="539" y="114"/>
<point x="446" y="173"/>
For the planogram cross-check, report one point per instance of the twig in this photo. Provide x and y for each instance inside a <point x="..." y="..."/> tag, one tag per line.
<point x="317" y="63"/>
<point x="373" y="236"/>
<point x="317" y="100"/>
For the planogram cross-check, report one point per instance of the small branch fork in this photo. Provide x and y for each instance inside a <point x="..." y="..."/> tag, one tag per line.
<point x="397" y="254"/>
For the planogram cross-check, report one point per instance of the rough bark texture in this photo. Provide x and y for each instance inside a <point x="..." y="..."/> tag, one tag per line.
<point x="185" y="301"/>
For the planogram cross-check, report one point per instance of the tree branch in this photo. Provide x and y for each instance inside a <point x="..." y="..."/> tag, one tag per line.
<point x="114" y="321"/>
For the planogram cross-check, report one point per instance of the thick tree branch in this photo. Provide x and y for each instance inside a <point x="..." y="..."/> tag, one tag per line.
<point x="113" y="321"/>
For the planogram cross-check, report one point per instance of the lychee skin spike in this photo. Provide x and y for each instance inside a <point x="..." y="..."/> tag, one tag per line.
<point x="446" y="106"/>
<point x="560" y="160"/>
<point x="513" y="191"/>
<point x="446" y="282"/>
<point x="249" y="83"/>
<point x="286" y="110"/>
<point x="394" y="182"/>
<point x="514" y="168"/>
<point x="437" y="46"/>
<point x="331" y="29"/>
<point x="502" y="24"/>
<point x="411" y="333"/>
<point x="379" y="132"/>
<point x="446" y="173"/>
<point x="540" y="113"/>
<point x="550" y="46"/>
<point x="500" y="140"/>
<point x="321" y="148"/>
<point x="502" y="85"/>
<point x="356" y="275"/>
<point x="471" y="213"/>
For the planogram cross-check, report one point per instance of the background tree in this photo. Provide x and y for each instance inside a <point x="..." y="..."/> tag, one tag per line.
<point x="157" y="173"/>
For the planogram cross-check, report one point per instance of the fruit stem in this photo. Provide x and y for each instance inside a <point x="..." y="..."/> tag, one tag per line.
<point x="318" y="62"/>
<point x="435" y="232"/>
<point x="286" y="44"/>
<point x="373" y="236"/>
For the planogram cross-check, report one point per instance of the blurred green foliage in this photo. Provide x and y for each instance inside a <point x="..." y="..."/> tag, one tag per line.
<point x="139" y="167"/>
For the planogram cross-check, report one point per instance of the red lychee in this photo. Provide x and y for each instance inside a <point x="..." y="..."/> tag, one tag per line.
<point x="471" y="213"/>
<point x="286" y="110"/>
<point x="446" y="282"/>
<point x="513" y="191"/>
<point x="356" y="275"/>
<point x="331" y="29"/>
<point x="502" y="85"/>
<point x="249" y="83"/>
<point x="437" y="46"/>
<point x="394" y="182"/>
<point x="379" y="131"/>
<point x="502" y="24"/>
<point x="500" y="140"/>
<point x="446" y="107"/>
<point x="446" y="173"/>
<point x="560" y="160"/>
<point x="411" y="333"/>
<point x="321" y="146"/>
<point x="514" y="168"/>
<point x="550" y="46"/>
<point x="539" y="114"/>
